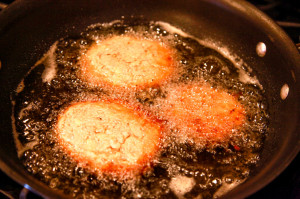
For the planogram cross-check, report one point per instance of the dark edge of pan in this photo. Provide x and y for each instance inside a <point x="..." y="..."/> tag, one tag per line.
<point x="290" y="48"/>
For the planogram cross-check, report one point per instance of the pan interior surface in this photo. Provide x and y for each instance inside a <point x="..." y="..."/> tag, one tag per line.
<point x="238" y="27"/>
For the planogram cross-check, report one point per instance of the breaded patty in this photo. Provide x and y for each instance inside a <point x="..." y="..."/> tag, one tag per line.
<point x="203" y="112"/>
<point x="127" y="61"/>
<point x="108" y="135"/>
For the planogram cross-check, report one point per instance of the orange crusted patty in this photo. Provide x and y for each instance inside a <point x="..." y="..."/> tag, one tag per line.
<point x="108" y="136"/>
<point x="203" y="112"/>
<point x="127" y="61"/>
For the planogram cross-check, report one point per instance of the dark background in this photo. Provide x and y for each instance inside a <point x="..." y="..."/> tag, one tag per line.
<point x="287" y="185"/>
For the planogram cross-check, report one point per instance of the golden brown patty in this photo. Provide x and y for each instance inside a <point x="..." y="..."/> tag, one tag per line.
<point x="108" y="136"/>
<point x="204" y="112"/>
<point x="127" y="61"/>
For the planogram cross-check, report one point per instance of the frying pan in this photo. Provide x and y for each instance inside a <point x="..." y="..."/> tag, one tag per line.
<point x="29" y="27"/>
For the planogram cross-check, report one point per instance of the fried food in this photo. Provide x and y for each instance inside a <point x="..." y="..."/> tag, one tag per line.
<point x="108" y="135"/>
<point x="127" y="61"/>
<point x="204" y="113"/>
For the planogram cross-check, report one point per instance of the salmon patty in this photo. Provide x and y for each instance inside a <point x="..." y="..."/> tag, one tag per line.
<point x="108" y="135"/>
<point x="204" y="113"/>
<point x="127" y="61"/>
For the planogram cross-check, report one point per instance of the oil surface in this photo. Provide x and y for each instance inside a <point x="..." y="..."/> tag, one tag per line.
<point x="182" y="168"/>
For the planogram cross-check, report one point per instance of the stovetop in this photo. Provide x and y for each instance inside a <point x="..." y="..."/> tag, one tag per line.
<point x="287" y="185"/>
